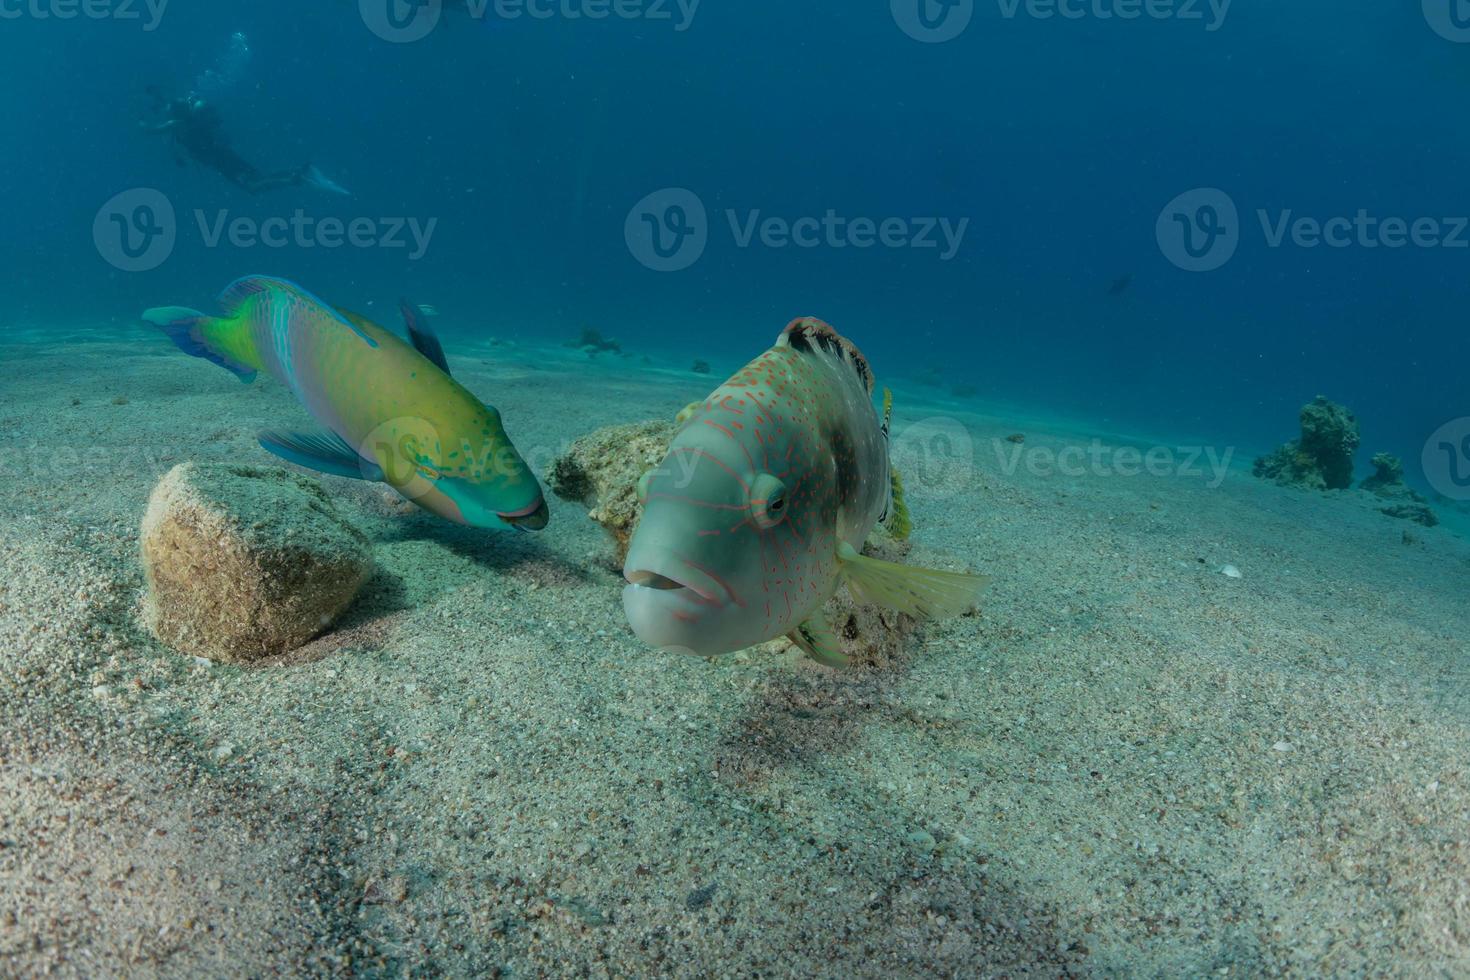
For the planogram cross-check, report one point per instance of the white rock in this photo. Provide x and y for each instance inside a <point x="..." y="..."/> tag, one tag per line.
<point x="1230" y="571"/>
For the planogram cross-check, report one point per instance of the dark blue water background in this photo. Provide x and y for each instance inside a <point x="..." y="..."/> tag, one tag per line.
<point x="1060" y="141"/>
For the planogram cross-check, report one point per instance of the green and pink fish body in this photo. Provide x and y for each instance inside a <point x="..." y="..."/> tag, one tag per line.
<point x="389" y="410"/>
<point x="762" y="506"/>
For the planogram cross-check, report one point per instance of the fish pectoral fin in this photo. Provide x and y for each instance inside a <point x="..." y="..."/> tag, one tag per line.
<point x="325" y="452"/>
<point x="924" y="593"/>
<point x="816" y="639"/>
<point x="425" y="341"/>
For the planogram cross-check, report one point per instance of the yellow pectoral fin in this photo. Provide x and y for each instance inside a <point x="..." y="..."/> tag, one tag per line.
<point x="687" y="412"/>
<point x="816" y="639"/>
<point x="924" y="593"/>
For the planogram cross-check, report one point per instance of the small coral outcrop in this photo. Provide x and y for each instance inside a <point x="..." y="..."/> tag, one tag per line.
<point x="246" y="562"/>
<point x="1402" y="501"/>
<point x="1322" y="458"/>
<point x="593" y="342"/>
<point x="1388" y="476"/>
<point x="601" y="471"/>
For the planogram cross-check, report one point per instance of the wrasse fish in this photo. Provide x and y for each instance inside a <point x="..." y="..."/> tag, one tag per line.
<point x="762" y="504"/>
<point x="390" y="410"/>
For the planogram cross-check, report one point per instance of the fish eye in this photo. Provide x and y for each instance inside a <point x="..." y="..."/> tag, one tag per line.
<point x="768" y="501"/>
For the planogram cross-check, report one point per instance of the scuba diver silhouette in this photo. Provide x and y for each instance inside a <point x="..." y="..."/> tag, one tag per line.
<point x="198" y="130"/>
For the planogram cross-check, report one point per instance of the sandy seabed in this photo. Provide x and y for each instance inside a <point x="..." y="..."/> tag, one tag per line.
<point x="1128" y="763"/>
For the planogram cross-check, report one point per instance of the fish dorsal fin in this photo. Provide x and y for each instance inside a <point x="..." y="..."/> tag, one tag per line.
<point x="809" y="335"/>
<point x="238" y="292"/>
<point x="425" y="341"/>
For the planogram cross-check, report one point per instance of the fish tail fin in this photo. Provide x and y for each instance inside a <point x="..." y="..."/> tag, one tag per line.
<point x="924" y="593"/>
<point x="218" y="340"/>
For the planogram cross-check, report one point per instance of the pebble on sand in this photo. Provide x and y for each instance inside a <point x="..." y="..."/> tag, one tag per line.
<point x="246" y="562"/>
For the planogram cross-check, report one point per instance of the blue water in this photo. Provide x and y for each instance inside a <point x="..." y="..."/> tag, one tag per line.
<point x="1060" y="140"/>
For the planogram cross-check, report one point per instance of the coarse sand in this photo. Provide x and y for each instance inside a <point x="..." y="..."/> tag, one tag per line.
<point x="1127" y="763"/>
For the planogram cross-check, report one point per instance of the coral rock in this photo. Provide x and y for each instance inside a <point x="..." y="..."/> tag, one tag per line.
<point x="601" y="471"/>
<point x="246" y="562"/>
<point x="1322" y="459"/>
<point x="1388" y="483"/>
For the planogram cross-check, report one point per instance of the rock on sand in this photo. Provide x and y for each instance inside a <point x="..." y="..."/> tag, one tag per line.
<point x="245" y="562"/>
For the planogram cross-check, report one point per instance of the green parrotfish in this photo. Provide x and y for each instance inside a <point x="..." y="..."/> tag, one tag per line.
<point x="390" y="411"/>
<point x="762" y="506"/>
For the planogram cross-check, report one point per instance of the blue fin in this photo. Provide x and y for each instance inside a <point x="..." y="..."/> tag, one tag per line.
<point x="325" y="452"/>
<point x="237" y="292"/>
<point x="184" y="327"/>
<point x="423" y="336"/>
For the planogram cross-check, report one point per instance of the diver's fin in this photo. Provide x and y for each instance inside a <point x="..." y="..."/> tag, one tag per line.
<point x="925" y="593"/>
<point x="687" y="412"/>
<point x="325" y="452"/>
<point x="816" y="639"/>
<point x="313" y="177"/>
<point x="185" y="327"/>
<point x="237" y="292"/>
<point x="425" y="341"/>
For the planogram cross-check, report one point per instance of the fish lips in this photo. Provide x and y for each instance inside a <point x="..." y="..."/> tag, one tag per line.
<point x="532" y="518"/>
<point x="666" y="612"/>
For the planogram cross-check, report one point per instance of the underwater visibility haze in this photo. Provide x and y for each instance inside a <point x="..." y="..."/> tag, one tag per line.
<point x="1076" y="586"/>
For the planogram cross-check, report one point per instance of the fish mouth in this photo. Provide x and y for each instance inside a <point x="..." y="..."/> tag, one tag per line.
<point x="647" y="580"/>
<point x="532" y="518"/>
<point x="667" y="613"/>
